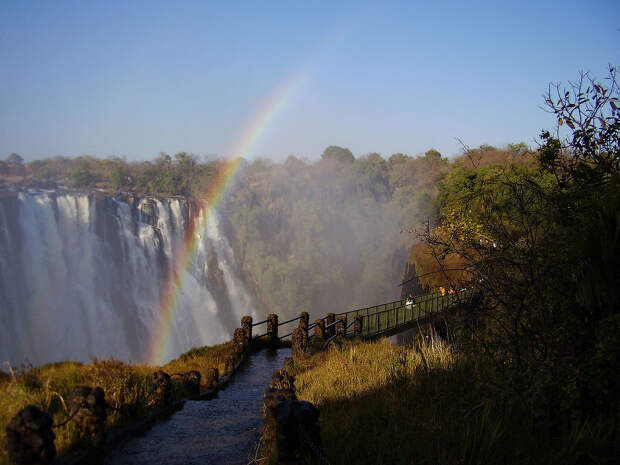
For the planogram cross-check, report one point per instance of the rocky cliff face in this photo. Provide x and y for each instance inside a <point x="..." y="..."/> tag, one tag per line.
<point x="411" y="283"/>
<point x="84" y="274"/>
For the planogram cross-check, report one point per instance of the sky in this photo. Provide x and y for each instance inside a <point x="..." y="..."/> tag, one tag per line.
<point x="136" y="78"/>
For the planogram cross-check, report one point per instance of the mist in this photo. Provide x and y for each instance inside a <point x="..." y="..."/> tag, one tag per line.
<point x="329" y="235"/>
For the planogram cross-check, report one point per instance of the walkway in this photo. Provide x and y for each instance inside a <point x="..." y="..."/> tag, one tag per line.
<point x="221" y="431"/>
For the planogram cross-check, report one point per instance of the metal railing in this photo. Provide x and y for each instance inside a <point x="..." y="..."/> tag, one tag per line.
<point x="404" y="314"/>
<point x="391" y="315"/>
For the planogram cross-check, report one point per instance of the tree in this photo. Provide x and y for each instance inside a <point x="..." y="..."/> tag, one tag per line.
<point x="519" y="148"/>
<point x="397" y="158"/>
<point x="14" y="158"/>
<point x="82" y="174"/>
<point x="339" y="154"/>
<point x="540" y="243"/>
<point x="432" y="154"/>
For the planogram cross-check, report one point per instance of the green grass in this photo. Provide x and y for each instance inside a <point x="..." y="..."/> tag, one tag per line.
<point x="384" y="404"/>
<point x="127" y="388"/>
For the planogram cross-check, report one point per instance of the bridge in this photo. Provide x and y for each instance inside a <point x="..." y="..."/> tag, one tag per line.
<point x="380" y="320"/>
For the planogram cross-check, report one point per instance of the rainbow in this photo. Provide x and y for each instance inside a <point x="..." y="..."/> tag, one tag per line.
<point x="159" y="347"/>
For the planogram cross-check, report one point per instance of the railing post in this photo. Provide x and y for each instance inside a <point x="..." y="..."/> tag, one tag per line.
<point x="30" y="438"/>
<point x="239" y="341"/>
<point x="211" y="378"/>
<point x="341" y="326"/>
<point x="162" y="389"/>
<point x="191" y="381"/>
<point x="331" y="318"/>
<point x="303" y="325"/>
<point x="272" y="328"/>
<point x="304" y="320"/>
<point x="357" y="326"/>
<point x="299" y="341"/>
<point x="89" y="408"/>
<point x="319" y="329"/>
<point x="246" y="324"/>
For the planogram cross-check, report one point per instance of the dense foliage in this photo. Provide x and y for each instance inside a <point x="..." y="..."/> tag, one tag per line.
<point x="542" y="243"/>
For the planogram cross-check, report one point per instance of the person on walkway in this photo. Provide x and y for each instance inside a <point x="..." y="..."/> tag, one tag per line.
<point x="410" y="300"/>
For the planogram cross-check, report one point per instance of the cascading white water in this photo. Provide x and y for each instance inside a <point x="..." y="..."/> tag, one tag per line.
<point x="83" y="276"/>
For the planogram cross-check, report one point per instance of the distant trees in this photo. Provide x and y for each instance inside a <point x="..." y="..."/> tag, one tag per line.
<point x="339" y="154"/>
<point x="181" y="174"/>
<point x="341" y="215"/>
<point x="83" y="173"/>
<point x="14" y="158"/>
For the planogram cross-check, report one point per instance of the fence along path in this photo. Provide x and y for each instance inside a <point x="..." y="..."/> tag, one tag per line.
<point x="373" y="321"/>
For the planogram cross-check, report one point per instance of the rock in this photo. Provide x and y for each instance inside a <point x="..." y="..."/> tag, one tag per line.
<point x="282" y="381"/>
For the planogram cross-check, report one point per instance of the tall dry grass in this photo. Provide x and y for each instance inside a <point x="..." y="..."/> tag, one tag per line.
<point x="385" y="404"/>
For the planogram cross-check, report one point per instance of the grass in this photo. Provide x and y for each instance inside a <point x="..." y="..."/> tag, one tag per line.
<point x="385" y="404"/>
<point x="127" y="388"/>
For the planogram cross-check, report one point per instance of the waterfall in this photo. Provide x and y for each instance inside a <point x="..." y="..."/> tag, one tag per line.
<point x="82" y="275"/>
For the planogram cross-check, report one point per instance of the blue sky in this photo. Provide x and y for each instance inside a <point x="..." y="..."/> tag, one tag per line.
<point x="136" y="78"/>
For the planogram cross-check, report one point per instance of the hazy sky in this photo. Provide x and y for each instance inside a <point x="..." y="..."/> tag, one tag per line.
<point x="135" y="78"/>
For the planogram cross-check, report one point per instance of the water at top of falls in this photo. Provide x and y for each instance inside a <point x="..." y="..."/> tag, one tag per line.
<point x="82" y="277"/>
